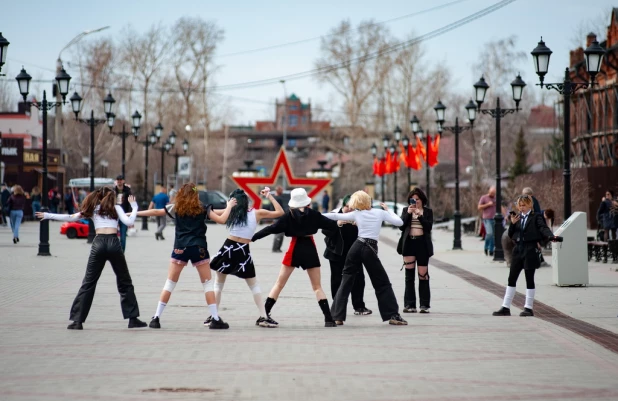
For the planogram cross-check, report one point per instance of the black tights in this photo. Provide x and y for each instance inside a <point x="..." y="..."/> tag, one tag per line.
<point x="514" y="274"/>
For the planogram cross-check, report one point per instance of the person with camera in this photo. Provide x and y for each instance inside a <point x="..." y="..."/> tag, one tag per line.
<point x="416" y="248"/>
<point x="527" y="229"/>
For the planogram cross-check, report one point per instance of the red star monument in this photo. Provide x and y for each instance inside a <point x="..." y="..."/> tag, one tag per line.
<point x="253" y="185"/>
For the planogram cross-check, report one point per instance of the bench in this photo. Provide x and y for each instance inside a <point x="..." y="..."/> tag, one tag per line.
<point x="598" y="250"/>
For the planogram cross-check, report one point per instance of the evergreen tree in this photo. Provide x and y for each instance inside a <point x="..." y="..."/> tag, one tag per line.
<point x="520" y="165"/>
<point x="553" y="158"/>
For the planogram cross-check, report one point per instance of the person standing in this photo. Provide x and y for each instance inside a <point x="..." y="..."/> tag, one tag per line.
<point x="487" y="204"/>
<point x="607" y="216"/>
<point x="527" y="229"/>
<point x="159" y="201"/>
<point x="55" y="200"/>
<point x="35" y="195"/>
<point x="536" y="206"/>
<point x="100" y="206"/>
<point x="338" y="244"/>
<point x="325" y="202"/>
<point x="416" y="248"/>
<point x="123" y="192"/>
<point x="68" y="203"/>
<point x="16" y="205"/>
<point x="278" y="240"/>
<point x="4" y="199"/>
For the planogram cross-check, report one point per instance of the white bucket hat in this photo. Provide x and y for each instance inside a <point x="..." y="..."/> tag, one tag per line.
<point x="299" y="198"/>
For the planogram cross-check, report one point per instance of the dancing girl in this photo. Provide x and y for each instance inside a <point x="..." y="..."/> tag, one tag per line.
<point x="416" y="248"/>
<point x="527" y="229"/>
<point x="100" y="206"/>
<point x="234" y="257"/>
<point x="301" y="223"/>
<point x="190" y="245"/>
<point x="365" y="252"/>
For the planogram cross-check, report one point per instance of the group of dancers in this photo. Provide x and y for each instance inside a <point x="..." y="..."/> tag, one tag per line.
<point x="351" y="236"/>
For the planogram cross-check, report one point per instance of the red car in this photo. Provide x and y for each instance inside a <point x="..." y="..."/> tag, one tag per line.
<point x="75" y="229"/>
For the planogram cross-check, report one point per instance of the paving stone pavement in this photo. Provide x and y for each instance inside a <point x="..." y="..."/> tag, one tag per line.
<point x="457" y="352"/>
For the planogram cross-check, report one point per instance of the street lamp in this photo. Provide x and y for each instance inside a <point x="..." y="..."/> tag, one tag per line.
<point x="165" y="148"/>
<point x="397" y="134"/>
<point x="4" y="44"/>
<point x="385" y="141"/>
<point x="150" y="140"/>
<point x="456" y="130"/>
<point x="23" y="81"/>
<point x="594" y="56"/>
<point x="111" y="117"/>
<point x="76" y="104"/>
<point x="498" y="113"/>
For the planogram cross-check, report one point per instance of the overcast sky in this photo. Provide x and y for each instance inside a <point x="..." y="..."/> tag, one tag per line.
<point x="48" y="27"/>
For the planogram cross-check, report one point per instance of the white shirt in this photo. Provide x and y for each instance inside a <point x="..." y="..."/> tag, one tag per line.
<point x="524" y="217"/>
<point x="99" y="221"/>
<point x="248" y="229"/>
<point x="368" y="222"/>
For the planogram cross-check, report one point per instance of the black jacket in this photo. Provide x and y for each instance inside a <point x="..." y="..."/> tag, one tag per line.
<point x="535" y="231"/>
<point x="297" y="223"/>
<point x="426" y="221"/>
<point x="126" y="191"/>
<point x="339" y="241"/>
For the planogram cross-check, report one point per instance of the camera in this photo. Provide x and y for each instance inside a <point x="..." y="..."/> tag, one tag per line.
<point x="412" y="201"/>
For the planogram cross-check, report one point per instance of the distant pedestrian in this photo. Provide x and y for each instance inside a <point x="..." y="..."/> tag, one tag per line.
<point x="487" y="204"/>
<point x="16" y="205"/>
<point x="159" y="201"/>
<point x="35" y="195"/>
<point x="325" y="202"/>
<point x="607" y="216"/>
<point x="123" y="192"/>
<point x="4" y="199"/>
<point x="68" y="203"/>
<point x="172" y="193"/>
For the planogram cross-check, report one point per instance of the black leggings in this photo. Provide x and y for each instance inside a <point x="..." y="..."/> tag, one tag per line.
<point x="105" y="247"/>
<point x="514" y="274"/>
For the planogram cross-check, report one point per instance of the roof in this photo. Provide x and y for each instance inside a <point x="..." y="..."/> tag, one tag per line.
<point x="293" y="97"/>
<point x="542" y="116"/>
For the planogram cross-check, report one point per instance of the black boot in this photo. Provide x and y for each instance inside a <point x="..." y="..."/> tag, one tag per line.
<point x="75" y="326"/>
<point x="328" y="318"/>
<point x="136" y="323"/>
<point x="268" y="305"/>
<point x="424" y="295"/>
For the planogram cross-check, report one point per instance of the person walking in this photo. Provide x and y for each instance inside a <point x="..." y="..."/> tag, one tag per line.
<point x="527" y="229"/>
<point x="301" y="223"/>
<point x="325" y="202"/>
<point x="364" y="251"/>
<point x="278" y="237"/>
<point x="235" y="257"/>
<point x="159" y="201"/>
<point x="338" y="244"/>
<point x="190" y="245"/>
<point x="100" y="206"/>
<point x="487" y="205"/>
<point x="16" y="205"/>
<point x="416" y="247"/>
<point x="123" y="192"/>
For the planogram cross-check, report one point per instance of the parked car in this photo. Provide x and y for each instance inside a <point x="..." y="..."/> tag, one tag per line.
<point x="215" y="198"/>
<point x="75" y="229"/>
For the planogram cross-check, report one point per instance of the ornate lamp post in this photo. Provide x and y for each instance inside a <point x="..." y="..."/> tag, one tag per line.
<point x="123" y="134"/>
<point x="456" y="130"/>
<point x="594" y="56"/>
<point x="165" y="148"/>
<point x="4" y="45"/>
<point x="397" y="134"/>
<point x="23" y="81"/>
<point x="76" y="104"/>
<point x="418" y="132"/>
<point x="497" y="113"/>
<point x="385" y="141"/>
<point x="185" y="148"/>
<point x="151" y="140"/>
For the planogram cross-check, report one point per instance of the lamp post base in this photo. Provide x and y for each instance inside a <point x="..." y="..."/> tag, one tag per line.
<point x="457" y="232"/>
<point x="498" y="231"/>
<point x="44" y="236"/>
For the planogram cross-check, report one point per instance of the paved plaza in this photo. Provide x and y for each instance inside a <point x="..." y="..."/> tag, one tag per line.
<point x="457" y="352"/>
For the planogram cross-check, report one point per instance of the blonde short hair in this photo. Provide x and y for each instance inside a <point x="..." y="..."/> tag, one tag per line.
<point x="360" y="200"/>
<point x="525" y="199"/>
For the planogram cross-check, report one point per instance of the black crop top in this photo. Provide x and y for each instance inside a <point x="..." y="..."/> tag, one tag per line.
<point x="190" y="230"/>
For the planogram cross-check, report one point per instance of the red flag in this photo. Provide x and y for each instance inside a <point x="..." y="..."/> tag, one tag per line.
<point x="395" y="162"/>
<point x="414" y="159"/>
<point x="389" y="162"/>
<point x="382" y="167"/>
<point x="402" y="155"/>
<point x="432" y="152"/>
<point x="420" y="149"/>
<point x="376" y="166"/>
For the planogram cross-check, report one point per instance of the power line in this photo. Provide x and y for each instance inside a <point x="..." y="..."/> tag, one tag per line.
<point x="296" y="42"/>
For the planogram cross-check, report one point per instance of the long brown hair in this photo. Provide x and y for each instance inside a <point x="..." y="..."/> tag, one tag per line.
<point x="105" y="198"/>
<point x="188" y="201"/>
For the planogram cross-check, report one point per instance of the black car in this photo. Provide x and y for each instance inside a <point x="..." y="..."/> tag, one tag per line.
<point x="215" y="198"/>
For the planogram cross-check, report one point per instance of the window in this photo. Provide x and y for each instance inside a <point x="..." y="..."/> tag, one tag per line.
<point x="293" y="121"/>
<point x="304" y="120"/>
<point x="293" y="107"/>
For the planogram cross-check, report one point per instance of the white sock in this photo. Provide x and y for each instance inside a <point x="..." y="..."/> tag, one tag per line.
<point x="213" y="311"/>
<point x="529" y="298"/>
<point x="508" y="297"/>
<point x="257" y="298"/>
<point x="257" y="295"/>
<point x="160" y="307"/>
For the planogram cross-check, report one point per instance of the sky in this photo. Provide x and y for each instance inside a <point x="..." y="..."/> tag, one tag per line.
<point x="36" y="42"/>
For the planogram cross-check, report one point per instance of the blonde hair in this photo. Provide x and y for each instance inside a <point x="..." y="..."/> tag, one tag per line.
<point x="360" y="200"/>
<point x="18" y="190"/>
<point x="525" y="199"/>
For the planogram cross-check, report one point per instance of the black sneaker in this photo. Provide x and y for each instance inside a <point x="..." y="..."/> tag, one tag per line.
<point x="527" y="312"/>
<point x="157" y="236"/>
<point x="218" y="324"/>
<point x="266" y="322"/>
<point x="154" y="323"/>
<point x="424" y="309"/>
<point x="502" y="312"/>
<point x="75" y="326"/>
<point x="409" y="309"/>
<point x="207" y="321"/>
<point x="136" y="323"/>
<point x="397" y="320"/>
<point x="363" y="311"/>
<point x="330" y="323"/>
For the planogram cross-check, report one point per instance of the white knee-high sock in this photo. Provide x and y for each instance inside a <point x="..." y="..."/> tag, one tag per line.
<point x="218" y="291"/>
<point x="508" y="297"/>
<point x="213" y="311"/>
<point x="160" y="307"/>
<point x="257" y="295"/>
<point x="529" y="298"/>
